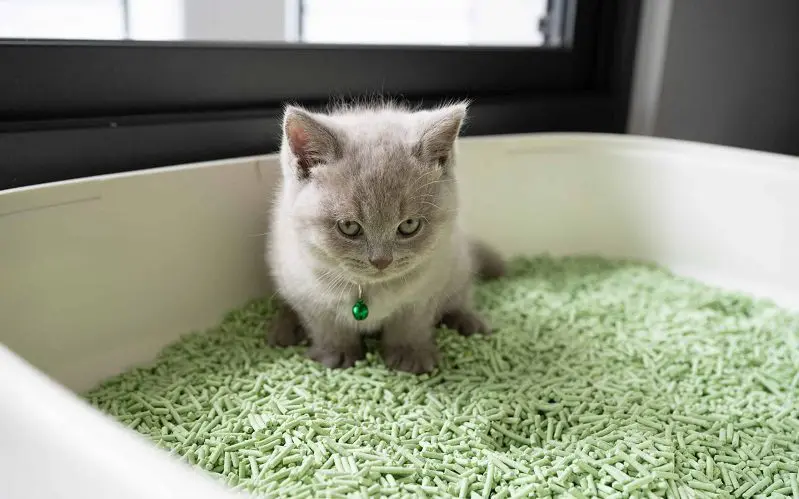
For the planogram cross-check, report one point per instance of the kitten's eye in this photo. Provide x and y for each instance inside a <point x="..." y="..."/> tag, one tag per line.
<point x="349" y="228"/>
<point x="409" y="227"/>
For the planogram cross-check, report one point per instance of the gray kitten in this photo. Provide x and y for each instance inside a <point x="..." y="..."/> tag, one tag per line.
<point x="368" y="211"/>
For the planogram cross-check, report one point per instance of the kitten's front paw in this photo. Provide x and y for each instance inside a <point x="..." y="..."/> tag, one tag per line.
<point x="337" y="357"/>
<point x="412" y="358"/>
<point x="465" y="322"/>
<point x="285" y="330"/>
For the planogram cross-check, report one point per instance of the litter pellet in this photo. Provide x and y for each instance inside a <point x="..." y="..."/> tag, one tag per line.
<point x="602" y="378"/>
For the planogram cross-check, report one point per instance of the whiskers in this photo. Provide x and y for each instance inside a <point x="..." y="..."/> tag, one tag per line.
<point x="335" y="284"/>
<point x="423" y="197"/>
<point x="437" y="207"/>
<point x="421" y="178"/>
<point x="433" y="182"/>
<point x="418" y="186"/>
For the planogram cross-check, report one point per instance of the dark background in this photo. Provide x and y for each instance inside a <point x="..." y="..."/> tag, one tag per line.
<point x="731" y="74"/>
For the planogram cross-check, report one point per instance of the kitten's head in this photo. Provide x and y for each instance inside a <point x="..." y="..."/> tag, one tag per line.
<point x="371" y="189"/>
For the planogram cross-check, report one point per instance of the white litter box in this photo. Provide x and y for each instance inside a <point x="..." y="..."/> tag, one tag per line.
<point x="97" y="275"/>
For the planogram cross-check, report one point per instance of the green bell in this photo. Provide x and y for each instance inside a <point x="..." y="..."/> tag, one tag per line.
<point x="360" y="311"/>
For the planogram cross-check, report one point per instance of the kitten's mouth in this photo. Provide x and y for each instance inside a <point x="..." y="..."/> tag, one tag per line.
<point x="369" y="274"/>
<point x="376" y="276"/>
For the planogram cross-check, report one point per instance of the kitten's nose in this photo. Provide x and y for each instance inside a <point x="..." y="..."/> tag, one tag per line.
<point x="381" y="262"/>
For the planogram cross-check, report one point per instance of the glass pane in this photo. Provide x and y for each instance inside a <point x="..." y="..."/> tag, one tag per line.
<point x="395" y="22"/>
<point x="424" y="22"/>
<point x="62" y="19"/>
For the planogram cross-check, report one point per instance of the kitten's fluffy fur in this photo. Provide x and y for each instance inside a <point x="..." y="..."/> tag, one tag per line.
<point x="377" y="165"/>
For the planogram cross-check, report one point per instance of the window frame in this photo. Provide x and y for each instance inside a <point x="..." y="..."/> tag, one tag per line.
<point x="125" y="106"/>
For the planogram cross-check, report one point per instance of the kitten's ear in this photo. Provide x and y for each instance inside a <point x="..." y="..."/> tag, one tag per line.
<point x="441" y="128"/>
<point x="311" y="141"/>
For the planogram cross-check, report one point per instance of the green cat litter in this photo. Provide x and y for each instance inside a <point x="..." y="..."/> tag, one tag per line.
<point x="602" y="379"/>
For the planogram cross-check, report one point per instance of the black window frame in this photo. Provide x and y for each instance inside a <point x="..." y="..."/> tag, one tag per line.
<point x="71" y="109"/>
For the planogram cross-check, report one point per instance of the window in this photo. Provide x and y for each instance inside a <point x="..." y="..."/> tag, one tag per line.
<point x="402" y="22"/>
<point x="102" y="86"/>
<point x="422" y="22"/>
<point x="83" y="19"/>
<point x="92" y="19"/>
